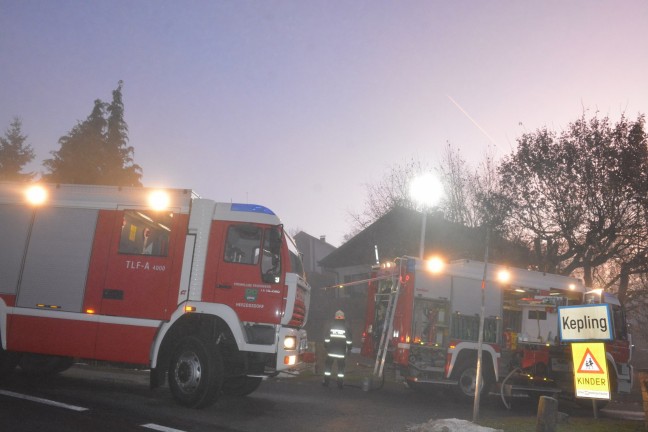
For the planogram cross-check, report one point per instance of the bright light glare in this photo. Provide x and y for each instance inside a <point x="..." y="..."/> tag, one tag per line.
<point x="435" y="265"/>
<point x="290" y="342"/>
<point x="36" y="195"/>
<point x="426" y="190"/>
<point x="290" y="360"/>
<point x="572" y="287"/>
<point x="159" y="200"/>
<point x="504" y="276"/>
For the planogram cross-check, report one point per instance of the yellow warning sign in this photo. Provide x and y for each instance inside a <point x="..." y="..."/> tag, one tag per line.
<point x="590" y="370"/>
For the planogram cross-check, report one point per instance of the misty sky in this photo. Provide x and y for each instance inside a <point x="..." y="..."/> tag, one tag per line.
<point x="297" y="105"/>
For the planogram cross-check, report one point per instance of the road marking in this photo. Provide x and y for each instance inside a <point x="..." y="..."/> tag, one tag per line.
<point x="42" y="401"/>
<point x="160" y="428"/>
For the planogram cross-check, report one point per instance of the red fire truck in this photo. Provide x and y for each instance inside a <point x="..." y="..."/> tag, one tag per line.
<point x="430" y="322"/>
<point x="210" y="294"/>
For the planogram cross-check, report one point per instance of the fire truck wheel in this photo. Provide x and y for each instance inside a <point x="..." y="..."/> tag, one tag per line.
<point x="467" y="380"/>
<point x="196" y="373"/>
<point x="241" y="386"/>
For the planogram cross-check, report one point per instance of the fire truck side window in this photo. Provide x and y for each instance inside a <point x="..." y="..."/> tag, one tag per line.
<point x="271" y="259"/>
<point x="243" y="244"/>
<point x="145" y="233"/>
<point x="619" y="323"/>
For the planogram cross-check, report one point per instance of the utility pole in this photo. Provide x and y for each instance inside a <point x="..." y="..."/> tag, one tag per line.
<point x="480" y="338"/>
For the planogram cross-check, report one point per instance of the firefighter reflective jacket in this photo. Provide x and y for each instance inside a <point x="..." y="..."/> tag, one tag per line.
<point x="338" y="341"/>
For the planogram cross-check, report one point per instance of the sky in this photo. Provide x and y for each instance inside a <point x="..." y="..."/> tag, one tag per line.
<point x="299" y="105"/>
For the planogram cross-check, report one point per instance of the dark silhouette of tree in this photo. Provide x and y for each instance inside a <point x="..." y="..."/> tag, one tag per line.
<point x="15" y="153"/>
<point x="119" y="163"/>
<point x="96" y="151"/>
<point x="580" y="197"/>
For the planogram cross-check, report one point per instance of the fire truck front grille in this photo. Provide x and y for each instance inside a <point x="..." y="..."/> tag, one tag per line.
<point x="299" y="314"/>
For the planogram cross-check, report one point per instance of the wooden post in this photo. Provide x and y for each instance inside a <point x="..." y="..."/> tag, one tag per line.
<point x="643" y="382"/>
<point x="547" y="414"/>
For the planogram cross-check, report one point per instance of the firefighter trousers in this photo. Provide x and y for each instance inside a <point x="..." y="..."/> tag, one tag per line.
<point x="328" y="367"/>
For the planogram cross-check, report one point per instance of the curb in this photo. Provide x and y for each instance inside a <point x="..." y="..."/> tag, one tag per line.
<point x="625" y="415"/>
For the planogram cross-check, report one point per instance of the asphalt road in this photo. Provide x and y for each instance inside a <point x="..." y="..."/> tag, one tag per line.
<point x="95" y="399"/>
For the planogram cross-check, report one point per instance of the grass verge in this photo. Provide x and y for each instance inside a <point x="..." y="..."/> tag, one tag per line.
<point x="526" y="424"/>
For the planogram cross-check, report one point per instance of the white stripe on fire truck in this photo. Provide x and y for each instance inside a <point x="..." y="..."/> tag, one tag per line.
<point x="78" y="316"/>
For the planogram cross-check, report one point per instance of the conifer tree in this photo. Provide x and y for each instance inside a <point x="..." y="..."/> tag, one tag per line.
<point x="15" y="153"/>
<point x="96" y="151"/>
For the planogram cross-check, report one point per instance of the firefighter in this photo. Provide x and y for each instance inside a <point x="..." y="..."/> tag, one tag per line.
<point x="338" y="344"/>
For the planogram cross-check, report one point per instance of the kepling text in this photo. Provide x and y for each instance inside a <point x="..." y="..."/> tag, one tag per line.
<point x="584" y="323"/>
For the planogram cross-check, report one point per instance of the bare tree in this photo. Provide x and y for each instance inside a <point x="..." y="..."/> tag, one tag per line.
<point x="391" y="191"/>
<point x="579" y="196"/>
<point x="457" y="179"/>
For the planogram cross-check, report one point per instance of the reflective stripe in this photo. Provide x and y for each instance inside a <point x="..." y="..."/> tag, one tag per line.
<point x="338" y="336"/>
<point x="340" y="375"/>
<point x="327" y="373"/>
<point x="336" y="355"/>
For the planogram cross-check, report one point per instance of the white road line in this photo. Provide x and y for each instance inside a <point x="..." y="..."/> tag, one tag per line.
<point x="42" y="401"/>
<point x="160" y="428"/>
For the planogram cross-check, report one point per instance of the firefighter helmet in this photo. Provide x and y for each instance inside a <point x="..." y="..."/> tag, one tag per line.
<point x="339" y="315"/>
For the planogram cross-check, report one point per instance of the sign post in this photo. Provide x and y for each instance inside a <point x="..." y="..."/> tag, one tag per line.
<point x="582" y="325"/>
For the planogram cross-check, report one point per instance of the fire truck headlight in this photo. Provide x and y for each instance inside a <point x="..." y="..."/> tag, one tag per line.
<point x="290" y="343"/>
<point x="36" y="195"/>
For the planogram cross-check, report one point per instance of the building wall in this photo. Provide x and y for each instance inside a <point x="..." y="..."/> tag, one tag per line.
<point x="313" y="250"/>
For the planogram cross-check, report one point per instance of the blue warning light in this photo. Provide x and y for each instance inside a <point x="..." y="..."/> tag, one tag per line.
<point x="252" y="208"/>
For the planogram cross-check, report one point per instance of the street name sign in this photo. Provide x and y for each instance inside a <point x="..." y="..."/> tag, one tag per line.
<point x="584" y="322"/>
<point x="590" y="370"/>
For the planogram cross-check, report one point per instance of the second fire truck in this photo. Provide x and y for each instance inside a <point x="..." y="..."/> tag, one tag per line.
<point x="428" y="320"/>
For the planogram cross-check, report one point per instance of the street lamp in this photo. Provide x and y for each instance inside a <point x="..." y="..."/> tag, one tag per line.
<point x="426" y="191"/>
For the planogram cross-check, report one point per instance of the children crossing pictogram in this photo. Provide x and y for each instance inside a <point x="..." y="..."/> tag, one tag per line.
<point x="589" y="364"/>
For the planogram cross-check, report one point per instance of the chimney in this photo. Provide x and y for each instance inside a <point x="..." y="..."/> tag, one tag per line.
<point x="323" y="238"/>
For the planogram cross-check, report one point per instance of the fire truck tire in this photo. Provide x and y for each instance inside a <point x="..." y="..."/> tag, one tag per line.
<point x="241" y="386"/>
<point x="39" y="365"/>
<point x="196" y="373"/>
<point x="467" y="379"/>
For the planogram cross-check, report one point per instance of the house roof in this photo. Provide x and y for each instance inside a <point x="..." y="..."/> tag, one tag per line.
<point x="398" y="233"/>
